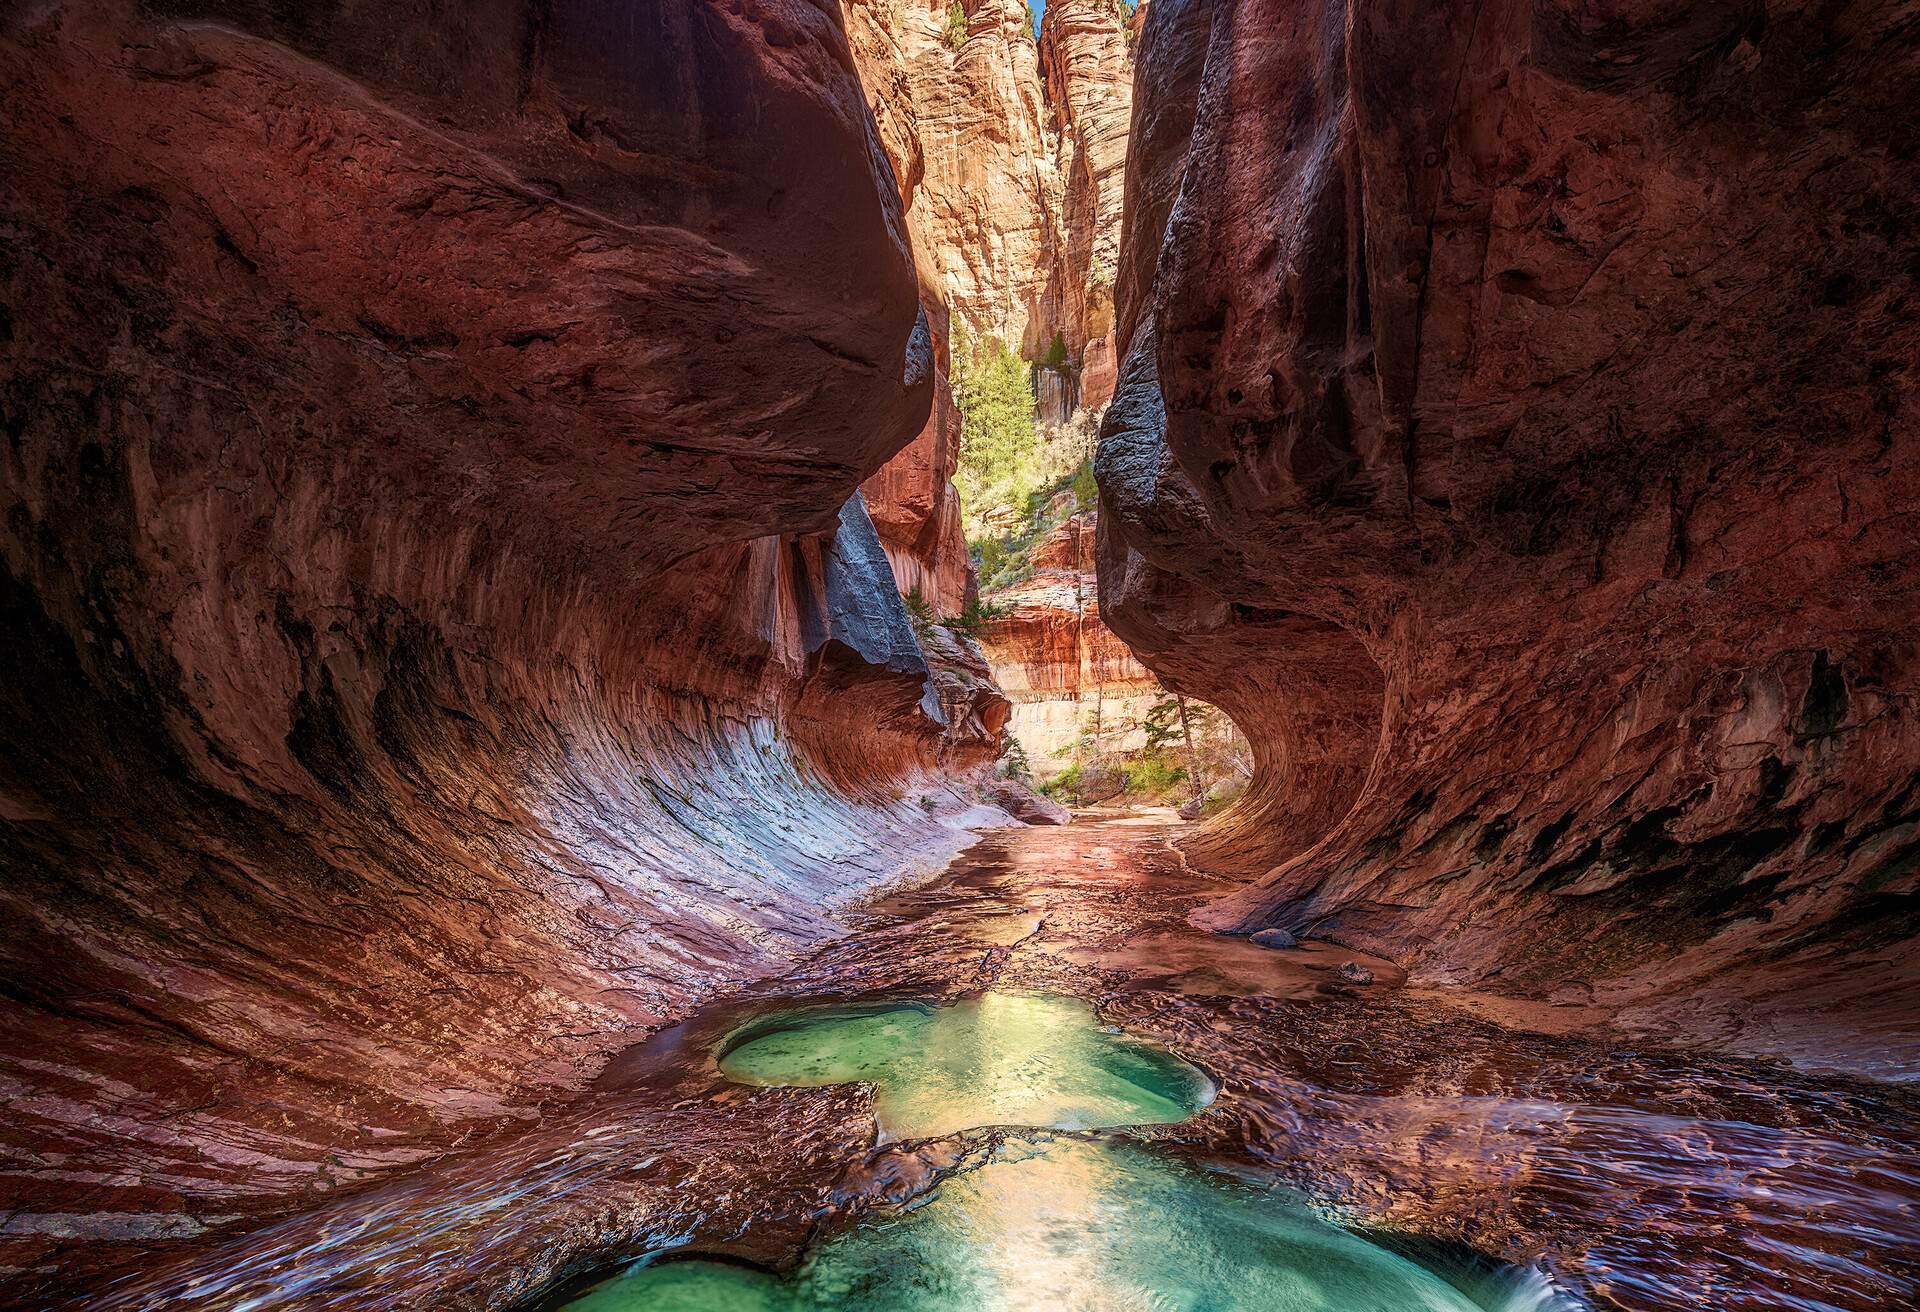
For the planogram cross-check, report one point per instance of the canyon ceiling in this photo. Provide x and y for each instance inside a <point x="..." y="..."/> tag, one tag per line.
<point x="445" y="633"/>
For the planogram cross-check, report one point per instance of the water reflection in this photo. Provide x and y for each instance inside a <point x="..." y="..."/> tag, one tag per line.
<point x="1081" y="1226"/>
<point x="1000" y="1059"/>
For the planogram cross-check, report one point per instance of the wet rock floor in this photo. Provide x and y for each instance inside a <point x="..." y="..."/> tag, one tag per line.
<point x="1636" y="1177"/>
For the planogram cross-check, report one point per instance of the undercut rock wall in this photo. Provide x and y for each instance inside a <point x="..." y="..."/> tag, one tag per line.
<point x="440" y="636"/>
<point x="1516" y="432"/>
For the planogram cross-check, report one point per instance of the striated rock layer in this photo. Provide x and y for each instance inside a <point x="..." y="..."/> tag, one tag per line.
<point x="972" y="140"/>
<point x="435" y="636"/>
<point x="1010" y="156"/>
<point x="1011" y="180"/>
<point x="1517" y="434"/>
<point x="1064" y="671"/>
<point x="1088" y="63"/>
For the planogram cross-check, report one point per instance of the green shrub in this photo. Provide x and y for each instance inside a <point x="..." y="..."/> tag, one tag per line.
<point x="1057" y="357"/>
<point x="1064" y="786"/>
<point x="1086" y="492"/>
<point x="1151" y="774"/>
<point x="1014" y="764"/>
<point x="956" y="26"/>
<point x="976" y="615"/>
<point x="1000" y="449"/>
<point x="919" y="614"/>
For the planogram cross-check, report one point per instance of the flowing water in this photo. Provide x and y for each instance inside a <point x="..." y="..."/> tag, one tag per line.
<point x="1226" y="1127"/>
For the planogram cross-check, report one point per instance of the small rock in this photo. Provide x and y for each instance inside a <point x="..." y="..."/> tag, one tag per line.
<point x="1275" y="938"/>
<point x="1355" y="973"/>
<point x="1022" y="803"/>
<point x="1194" y="809"/>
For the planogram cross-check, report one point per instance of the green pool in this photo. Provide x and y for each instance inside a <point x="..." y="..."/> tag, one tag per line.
<point x="1062" y="1225"/>
<point x="1000" y="1059"/>
<point x="1075" y="1227"/>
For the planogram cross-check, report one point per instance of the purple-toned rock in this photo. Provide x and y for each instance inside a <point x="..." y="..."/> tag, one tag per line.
<point x="1022" y="803"/>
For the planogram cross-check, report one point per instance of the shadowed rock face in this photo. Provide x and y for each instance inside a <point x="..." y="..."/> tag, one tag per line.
<point x="435" y="638"/>
<point x="1517" y="435"/>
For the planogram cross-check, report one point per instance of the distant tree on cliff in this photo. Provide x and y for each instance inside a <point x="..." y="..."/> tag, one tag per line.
<point x="919" y="613"/>
<point x="956" y="25"/>
<point x="1057" y="357"/>
<point x="1000" y="450"/>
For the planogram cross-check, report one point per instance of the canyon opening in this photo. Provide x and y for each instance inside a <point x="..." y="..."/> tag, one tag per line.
<point x="1203" y="655"/>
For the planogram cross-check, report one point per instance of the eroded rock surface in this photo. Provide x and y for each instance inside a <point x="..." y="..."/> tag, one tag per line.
<point x="1010" y="155"/>
<point x="1088" y="63"/>
<point x="438" y="641"/>
<point x="1516" y="433"/>
<point x="1060" y="666"/>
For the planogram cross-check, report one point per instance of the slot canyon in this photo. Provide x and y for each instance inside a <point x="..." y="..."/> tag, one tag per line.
<point x="1243" y="655"/>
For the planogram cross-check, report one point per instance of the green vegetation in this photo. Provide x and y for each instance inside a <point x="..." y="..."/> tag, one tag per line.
<point x="1001" y="456"/>
<point x="1191" y="756"/>
<point x="1086" y="492"/>
<point x="1014" y="763"/>
<point x="1151" y="774"/>
<point x="956" y="26"/>
<point x="1004" y="558"/>
<point x="919" y="614"/>
<point x="1065" y="786"/>
<point x="973" y="617"/>
<point x="1057" y="357"/>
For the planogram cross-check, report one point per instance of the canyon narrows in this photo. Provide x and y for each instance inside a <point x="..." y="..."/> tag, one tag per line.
<point x="536" y="531"/>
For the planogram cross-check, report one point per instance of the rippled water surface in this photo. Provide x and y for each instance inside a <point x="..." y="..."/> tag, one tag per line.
<point x="999" y="1059"/>
<point x="1076" y="1225"/>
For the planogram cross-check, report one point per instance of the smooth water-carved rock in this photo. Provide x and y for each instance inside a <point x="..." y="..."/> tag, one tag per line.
<point x="1023" y="803"/>
<point x="1515" y="423"/>
<point x="438" y="639"/>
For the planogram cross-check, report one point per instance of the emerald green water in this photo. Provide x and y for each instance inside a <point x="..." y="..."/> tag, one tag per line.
<point x="1076" y="1227"/>
<point x="1001" y="1059"/>
<point x="1071" y="1225"/>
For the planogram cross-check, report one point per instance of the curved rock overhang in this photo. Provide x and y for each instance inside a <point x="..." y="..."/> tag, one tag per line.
<point x="438" y="638"/>
<point x="1516" y="433"/>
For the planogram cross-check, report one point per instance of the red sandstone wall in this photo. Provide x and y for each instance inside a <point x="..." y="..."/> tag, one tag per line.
<point x="432" y="643"/>
<point x="1517" y="433"/>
